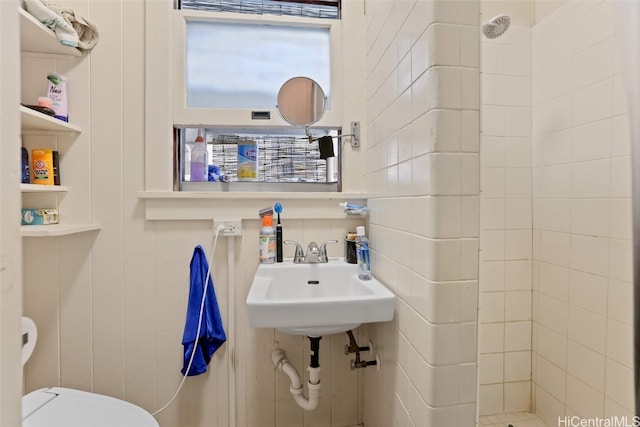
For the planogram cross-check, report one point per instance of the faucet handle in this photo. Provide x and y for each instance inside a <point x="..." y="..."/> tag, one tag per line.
<point x="323" y="250"/>
<point x="299" y="255"/>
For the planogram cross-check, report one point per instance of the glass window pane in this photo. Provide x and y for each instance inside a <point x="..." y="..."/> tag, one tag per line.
<point x="244" y="65"/>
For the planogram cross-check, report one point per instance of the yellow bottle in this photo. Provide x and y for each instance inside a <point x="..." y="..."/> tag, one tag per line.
<point x="42" y="160"/>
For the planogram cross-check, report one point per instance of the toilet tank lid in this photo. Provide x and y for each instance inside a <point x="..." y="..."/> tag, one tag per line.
<point x="64" y="407"/>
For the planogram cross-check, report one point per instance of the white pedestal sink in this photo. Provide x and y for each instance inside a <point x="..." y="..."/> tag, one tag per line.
<point x="316" y="299"/>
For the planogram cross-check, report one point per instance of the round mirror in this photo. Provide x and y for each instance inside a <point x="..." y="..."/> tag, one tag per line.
<point x="301" y="101"/>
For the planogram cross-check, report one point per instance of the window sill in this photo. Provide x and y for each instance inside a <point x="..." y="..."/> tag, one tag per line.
<point x="200" y="205"/>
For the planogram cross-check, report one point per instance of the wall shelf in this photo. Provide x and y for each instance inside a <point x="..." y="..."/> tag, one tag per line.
<point x="35" y="121"/>
<point x="194" y="205"/>
<point x="36" y="188"/>
<point x="39" y="41"/>
<point x="55" y="230"/>
<point x="37" y="38"/>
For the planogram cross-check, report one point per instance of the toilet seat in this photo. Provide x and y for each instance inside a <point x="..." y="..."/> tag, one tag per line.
<point x="64" y="407"/>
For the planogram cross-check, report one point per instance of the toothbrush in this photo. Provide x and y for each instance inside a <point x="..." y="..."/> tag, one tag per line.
<point x="278" y="209"/>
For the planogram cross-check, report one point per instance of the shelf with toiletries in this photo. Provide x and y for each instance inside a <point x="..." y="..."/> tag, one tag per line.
<point x="39" y="43"/>
<point x="32" y="120"/>
<point x="37" y="188"/>
<point x="199" y="205"/>
<point x="49" y="196"/>
<point x="37" y="38"/>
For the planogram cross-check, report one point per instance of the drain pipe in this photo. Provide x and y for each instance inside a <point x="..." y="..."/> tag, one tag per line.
<point x="281" y="362"/>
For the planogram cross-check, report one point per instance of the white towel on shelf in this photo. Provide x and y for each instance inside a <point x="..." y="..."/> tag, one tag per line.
<point x="63" y="30"/>
<point x="86" y="31"/>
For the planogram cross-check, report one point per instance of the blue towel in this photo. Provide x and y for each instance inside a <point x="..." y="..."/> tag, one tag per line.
<point x="212" y="334"/>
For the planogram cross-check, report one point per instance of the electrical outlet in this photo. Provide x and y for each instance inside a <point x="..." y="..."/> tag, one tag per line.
<point x="230" y="227"/>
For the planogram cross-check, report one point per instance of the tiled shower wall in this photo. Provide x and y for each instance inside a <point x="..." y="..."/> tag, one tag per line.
<point x="582" y="334"/>
<point x="581" y="359"/>
<point x="504" y="371"/>
<point x="423" y="184"/>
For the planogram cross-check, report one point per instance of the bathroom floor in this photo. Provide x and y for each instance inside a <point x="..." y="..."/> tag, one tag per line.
<point x="517" y="419"/>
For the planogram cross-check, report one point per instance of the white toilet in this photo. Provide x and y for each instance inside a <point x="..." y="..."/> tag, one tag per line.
<point x="65" y="407"/>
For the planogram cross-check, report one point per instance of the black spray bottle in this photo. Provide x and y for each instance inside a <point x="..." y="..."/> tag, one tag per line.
<point x="278" y="209"/>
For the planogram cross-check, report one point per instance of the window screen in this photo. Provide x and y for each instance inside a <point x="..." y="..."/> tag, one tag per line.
<point x="284" y="156"/>
<point x="243" y="65"/>
<point x="304" y="8"/>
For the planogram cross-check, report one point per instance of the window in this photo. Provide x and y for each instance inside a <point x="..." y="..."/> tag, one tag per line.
<point x="238" y="65"/>
<point x="228" y="71"/>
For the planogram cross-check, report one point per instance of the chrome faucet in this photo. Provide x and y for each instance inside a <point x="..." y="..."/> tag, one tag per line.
<point x="315" y="254"/>
<point x="299" y="255"/>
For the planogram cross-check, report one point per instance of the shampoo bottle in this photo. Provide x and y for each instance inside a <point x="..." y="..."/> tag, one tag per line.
<point x="199" y="163"/>
<point x="267" y="241"/>
<point x="362" y="254"/>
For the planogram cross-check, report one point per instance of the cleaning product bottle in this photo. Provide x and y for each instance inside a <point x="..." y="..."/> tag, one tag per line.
<point x="199" y="164"/>
<point x="247" y="160"/>
<point x="362" y="253"/>
<point x="267" y="241"/>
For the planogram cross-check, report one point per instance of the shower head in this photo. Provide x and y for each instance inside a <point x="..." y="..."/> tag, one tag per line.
<point x="496" y="26"/>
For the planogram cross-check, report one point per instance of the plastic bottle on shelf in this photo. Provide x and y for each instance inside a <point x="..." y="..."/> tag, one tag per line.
<point x="26" y="176"/>
<point x="362" y="254"/>
<point x="247" y="160"/>
<point x="267" y="241"/>
<point x="199" y="163"/>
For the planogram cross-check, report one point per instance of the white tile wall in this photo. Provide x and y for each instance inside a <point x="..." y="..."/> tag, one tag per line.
<point x="580" y="182"/>
<point x="581" y="215"/>
<point x="506" y="224"/>
<point x="573" y="131"/>
<point x="427" y="54"/>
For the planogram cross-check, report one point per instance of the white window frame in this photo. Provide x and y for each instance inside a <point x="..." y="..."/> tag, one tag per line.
<point x="187" y="117"/>
<point x="161" y="113"/>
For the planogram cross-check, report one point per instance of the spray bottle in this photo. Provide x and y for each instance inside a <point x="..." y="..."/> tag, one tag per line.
<point x="267" y="241"/>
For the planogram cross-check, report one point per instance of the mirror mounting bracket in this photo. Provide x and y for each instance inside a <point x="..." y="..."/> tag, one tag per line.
<point x="308" y="132"/>
<point x="355" y="131"/>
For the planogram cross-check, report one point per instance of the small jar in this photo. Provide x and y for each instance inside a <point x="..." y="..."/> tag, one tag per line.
<point x="350" y="250"/>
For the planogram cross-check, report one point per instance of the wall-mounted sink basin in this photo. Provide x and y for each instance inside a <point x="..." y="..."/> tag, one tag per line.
<point x="316" y="299"/>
